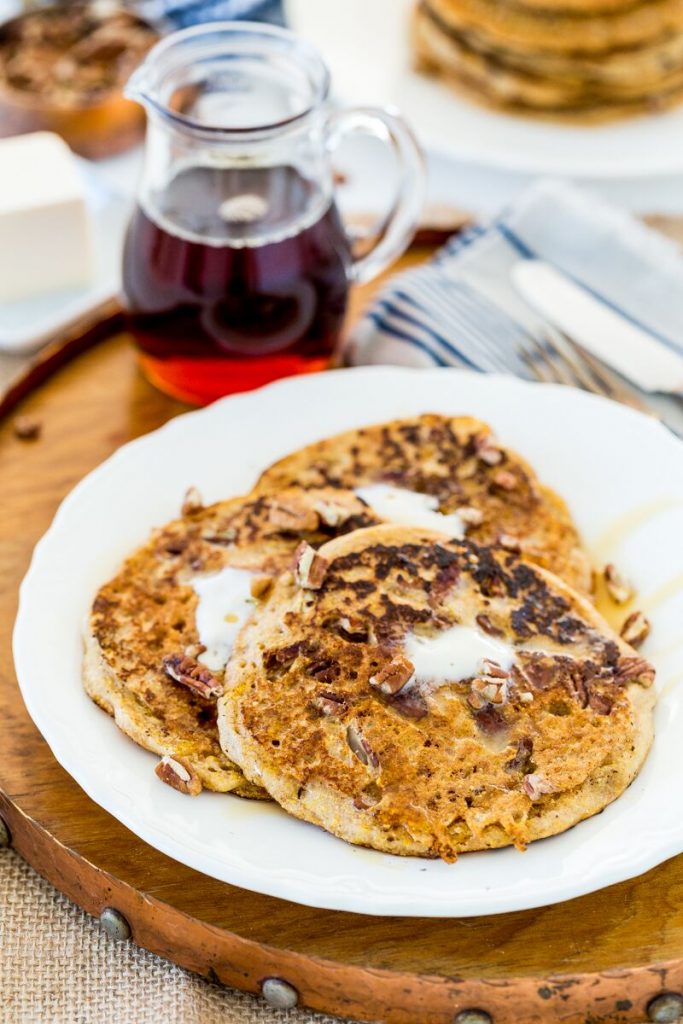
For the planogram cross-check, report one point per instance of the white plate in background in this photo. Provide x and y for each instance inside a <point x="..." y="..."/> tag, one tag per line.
<point x="367" y="46"/>
<point x="622" y="475"/>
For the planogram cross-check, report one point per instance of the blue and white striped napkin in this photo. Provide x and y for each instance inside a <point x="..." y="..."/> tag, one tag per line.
<point x="182" y="13"/>
<point x="462" y="309"/>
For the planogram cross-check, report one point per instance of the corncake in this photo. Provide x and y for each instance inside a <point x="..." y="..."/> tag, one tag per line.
<point x="458" y="465"/>
<point x="591" y="59"/>
<point x="426" y="696"/>
<point x="161" y="631"/>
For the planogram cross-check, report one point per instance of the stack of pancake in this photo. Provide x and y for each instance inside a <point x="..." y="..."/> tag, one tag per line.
<point x="392" y="636"/>
<point x="588" y="59"/>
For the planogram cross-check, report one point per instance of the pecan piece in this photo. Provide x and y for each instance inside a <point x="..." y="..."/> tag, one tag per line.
<point x="522" y="760"/>
<point x="355" y="630"/>
<point x="487" y="690"/>
<point x="636" y="629"/>
<point x="176" y="772"/>
<point x="329" y="703"/>
<point x="192" y="502"/>
<point x="635" y="670"/>
<point x="293" y="517"/>
<point x="310" y="567"/>
<point x="393" y="676"/>
<point x="484" y="622"/>
<point x="487" y="450"/>
<point x="410" y="703"/>
<point x="191" y="674"/>
<point x="279" y="660"/>
<point x="599" y="703"/>
<point x="510" y="543"/>
<point x="469" y="515"/>
<point x="504" y="479"/>
<point x="535" y="785"/>
<point x="360" y="747"/>
<point x="332" y="513"/>
<point x="618" y="587"/>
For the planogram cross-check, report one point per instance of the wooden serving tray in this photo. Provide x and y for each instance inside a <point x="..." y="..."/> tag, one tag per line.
<point x="603" y="957"/>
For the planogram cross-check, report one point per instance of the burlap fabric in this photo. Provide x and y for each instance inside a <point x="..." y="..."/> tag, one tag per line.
<point x="58" y="967"/>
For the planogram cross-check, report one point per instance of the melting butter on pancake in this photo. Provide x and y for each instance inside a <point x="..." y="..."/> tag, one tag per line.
<point x="422" y="695"/>
<point x="161" y="631"/>
<point x="456" y="472"/>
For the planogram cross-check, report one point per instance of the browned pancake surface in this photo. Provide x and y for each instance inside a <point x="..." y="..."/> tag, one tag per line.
<point x="459" y="461"/>
<point x="424" y="769"/>
<point x="146" y="614"/>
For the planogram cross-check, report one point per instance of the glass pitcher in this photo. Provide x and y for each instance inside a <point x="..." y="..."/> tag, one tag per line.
<point x="237" y="264"/>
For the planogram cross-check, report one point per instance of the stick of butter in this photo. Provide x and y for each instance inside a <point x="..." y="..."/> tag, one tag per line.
<point x="45" y="230"/>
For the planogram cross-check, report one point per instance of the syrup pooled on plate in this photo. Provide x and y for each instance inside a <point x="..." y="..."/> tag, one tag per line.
<point x="235" y="277"/>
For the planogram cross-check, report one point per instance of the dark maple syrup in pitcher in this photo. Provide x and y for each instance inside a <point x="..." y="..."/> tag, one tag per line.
<point x="233" y="277"/>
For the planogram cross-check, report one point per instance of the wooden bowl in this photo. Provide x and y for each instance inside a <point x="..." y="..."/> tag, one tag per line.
<point x="96" y="123"/>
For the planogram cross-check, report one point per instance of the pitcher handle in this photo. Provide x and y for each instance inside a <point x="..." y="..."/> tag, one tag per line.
<point x="397" y="228"/>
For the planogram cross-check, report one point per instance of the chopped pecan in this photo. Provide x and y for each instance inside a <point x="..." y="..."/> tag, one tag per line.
<point x="356" y="630"/>
<point x="329" y="703"/>
<point x="360" y="747"/>
<point x="393" y="676"/>
<point x="535" y="785"/>
<point x="190" y="673"/>
<point x="280" y="659"/>
<point x="179" y="774"/>
<point x="310" y="567"/>
<point x="510" y="543"/>
<point x="636" y="629"/>
<point x="522" y="759"/>
<point x="618" y="587"/>
<point x="194" y="650"/>
<point x="576" y="684"/>
<point x="192" y="502"/>
<point x="491" y="721"/>
<point x="260" y="585"/>
<point x="470" y="516"/>
<point x="410" y="703"/>
<point x="505" y="480"/>
<point x="492" y="668"/>
<point x="484" y="622"/>
<point x="487" y="450"/>
<point x="634" y="670"/>
<point x="540" y="671"/>
<point x="325" y="669"/>
<point x="293" y="516"/>
<point x="487" y="690"/>
<point x="600" y="703"/>
<point x="332" y="513"/>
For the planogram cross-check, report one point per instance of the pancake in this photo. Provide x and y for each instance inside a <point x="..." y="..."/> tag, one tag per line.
<point x="458" y="462"/>
<point x="587" y="64"/>
<point x="425" y="696"/>
<point x="624" y="84"/>
<point x="144" y="662"/>
<point x="513" y="26"/>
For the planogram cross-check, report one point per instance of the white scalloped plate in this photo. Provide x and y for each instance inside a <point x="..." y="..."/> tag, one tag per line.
<point x="622" y="474"/>
<point x="367" y="45"/>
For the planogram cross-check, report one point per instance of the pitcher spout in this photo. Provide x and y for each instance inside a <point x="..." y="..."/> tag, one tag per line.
<point x="137" y="86"/>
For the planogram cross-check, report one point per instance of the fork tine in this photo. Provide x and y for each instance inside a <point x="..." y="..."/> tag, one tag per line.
<point x="571" y="358"/>
<point x="609" y="383"/>
<point x="543" y="365"/>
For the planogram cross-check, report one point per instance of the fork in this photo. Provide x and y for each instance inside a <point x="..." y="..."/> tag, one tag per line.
<point x="554" y="358"/>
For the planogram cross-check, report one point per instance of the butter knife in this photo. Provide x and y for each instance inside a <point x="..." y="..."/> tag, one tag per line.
<point x="648" y="363"/>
